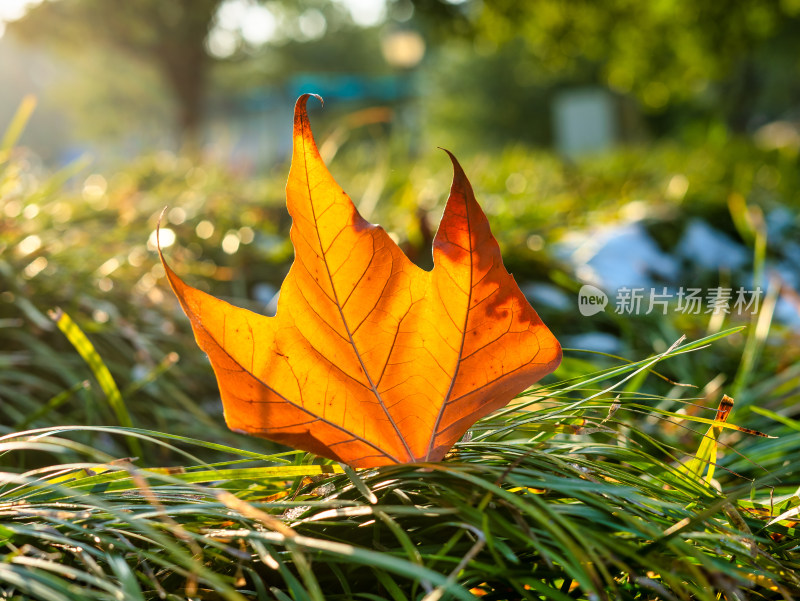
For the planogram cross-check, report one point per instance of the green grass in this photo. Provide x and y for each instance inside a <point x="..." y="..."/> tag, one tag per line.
<point x="119" y="480"/>
<point x="519" y="510"/>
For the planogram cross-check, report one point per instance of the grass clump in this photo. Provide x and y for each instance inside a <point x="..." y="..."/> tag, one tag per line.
<point x="119" y="480"/>
<point x="559" y="497"/>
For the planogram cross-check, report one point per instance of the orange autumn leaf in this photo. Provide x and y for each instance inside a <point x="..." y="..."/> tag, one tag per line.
<point x="371" y="360"/>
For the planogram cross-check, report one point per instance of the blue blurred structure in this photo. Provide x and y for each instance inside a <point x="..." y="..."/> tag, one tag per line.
<point x="253" y="129"/>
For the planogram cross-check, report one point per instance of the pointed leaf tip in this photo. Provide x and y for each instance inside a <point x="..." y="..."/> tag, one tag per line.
<point x="302" y="101"/>
<point x="158" y="233"/>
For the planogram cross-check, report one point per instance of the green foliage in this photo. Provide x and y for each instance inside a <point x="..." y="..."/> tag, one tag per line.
<point x="725" y="62"/>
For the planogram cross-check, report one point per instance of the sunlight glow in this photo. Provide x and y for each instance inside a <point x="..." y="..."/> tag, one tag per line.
<point x="312" y="24"/>
<point x="204" y="229"/>
<point x="11" y="10"/>
<point x="230" y="243"/>
<point x="222" y="43"/>
<point x="241" y="20"/>
<point x="247" y="22"/>
<point x="94" y="187"/>
<point x="166" y="235"/>
<point x="35" y="267"/>
<point x="403" y="48"/>
<point x="366" y="13"/>
<point x="259" y="26"/>
<point x="28" y="245"/>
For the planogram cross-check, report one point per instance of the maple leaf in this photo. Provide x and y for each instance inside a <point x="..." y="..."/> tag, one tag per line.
<point x="371" y="360"/>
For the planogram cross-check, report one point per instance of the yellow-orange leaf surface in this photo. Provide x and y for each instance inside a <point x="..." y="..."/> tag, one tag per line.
<point x="371" y="360"/>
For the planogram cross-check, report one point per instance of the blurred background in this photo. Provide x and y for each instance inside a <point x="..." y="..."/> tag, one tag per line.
<point x="639" y="144"/>
<point x="573" y="77"/>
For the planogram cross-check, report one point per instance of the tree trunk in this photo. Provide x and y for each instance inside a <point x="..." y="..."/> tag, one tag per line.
<point x="184" y="63"/>
<point x="187" y="77"/>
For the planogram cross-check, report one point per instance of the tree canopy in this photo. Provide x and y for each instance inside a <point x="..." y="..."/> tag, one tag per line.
<point x="734" y="57"/>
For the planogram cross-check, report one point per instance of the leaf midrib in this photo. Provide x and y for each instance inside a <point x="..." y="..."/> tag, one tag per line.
<point x="341" y="312"/>
<point x="446" y="399"/>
